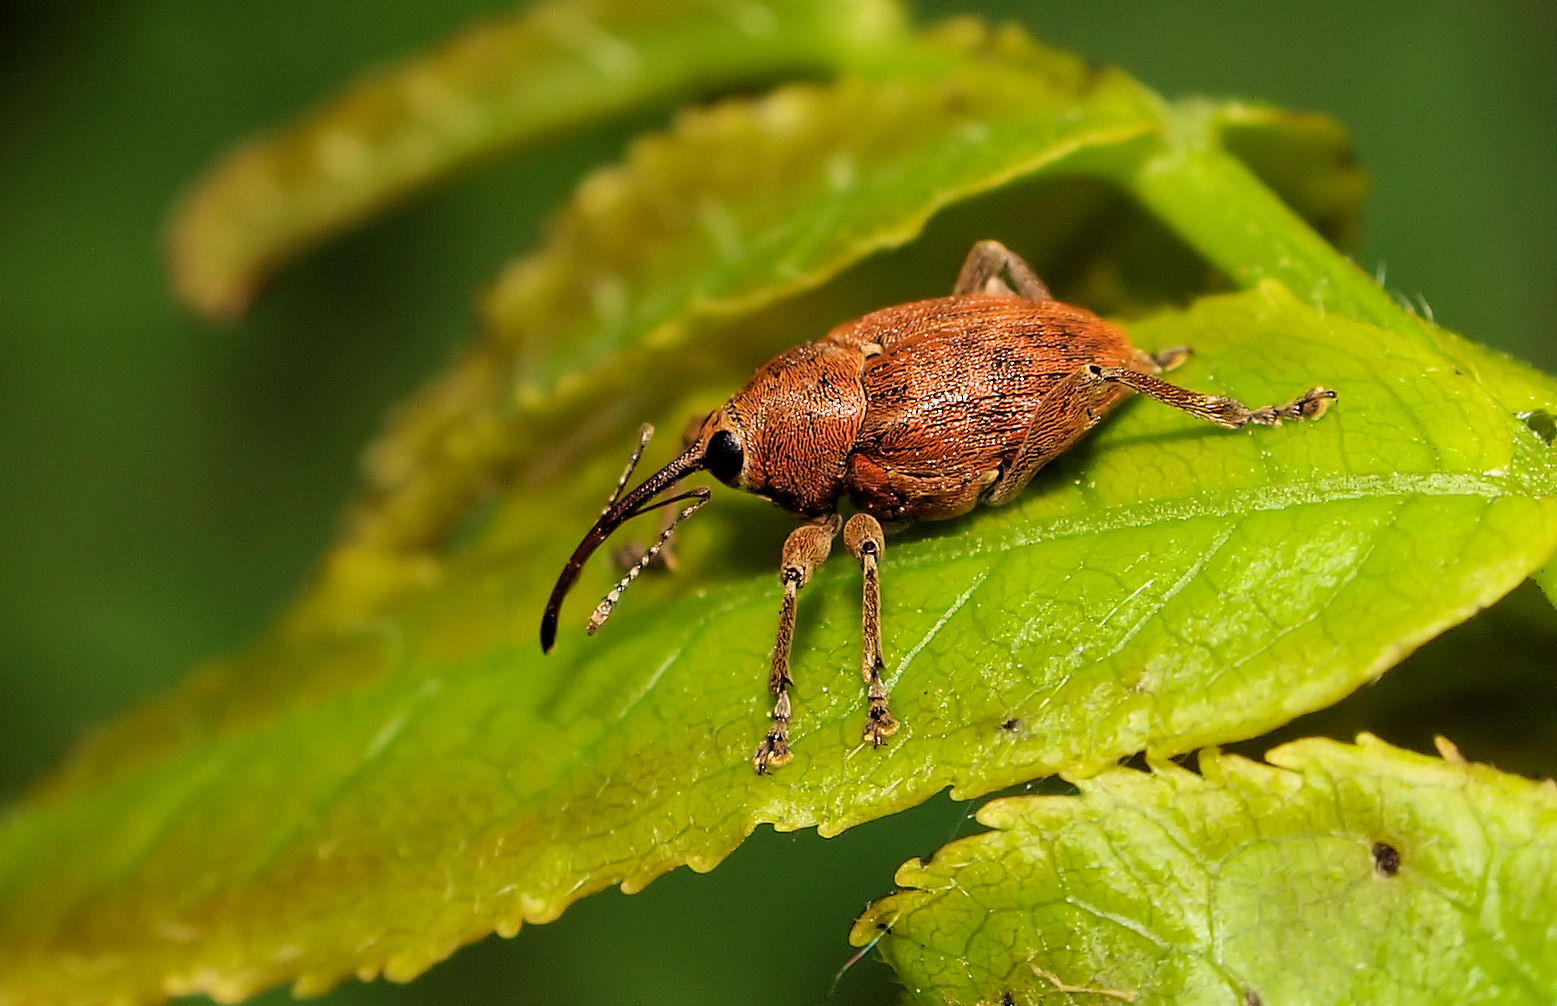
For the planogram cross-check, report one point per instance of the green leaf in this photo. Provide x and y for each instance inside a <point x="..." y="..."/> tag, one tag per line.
<point x="509" y="81"/>
<point x="1305" y="158"/>
<point x="395" y="770"/>
<point x="651" y="276"/>
<point x="1333" y="874"/>
<point x="1170" y="586"/>
<point x="1500" y="708"/>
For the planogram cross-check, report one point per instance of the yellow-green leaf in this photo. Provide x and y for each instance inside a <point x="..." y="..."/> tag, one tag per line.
<point x="1334" y="874"/>
<point x="652" y="276"/>
<point x="1169" y="586"/>
<point x="395" y="770"/>
<point x="494" y="86"/>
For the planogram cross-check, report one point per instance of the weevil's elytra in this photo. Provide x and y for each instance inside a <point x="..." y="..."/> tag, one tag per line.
<point x="921" y="411"/>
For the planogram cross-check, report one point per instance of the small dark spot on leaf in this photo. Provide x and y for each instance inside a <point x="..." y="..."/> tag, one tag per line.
<point x="1007" y="999"/>
<point x="1386" y="859"/>
<point x="1012" y="725"/>
<point x="1542" y="423"/>
<point x="883" y="927"/>
<point x="1252" y="998"/>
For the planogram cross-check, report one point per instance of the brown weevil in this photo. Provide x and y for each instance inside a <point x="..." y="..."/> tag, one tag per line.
<point x="916" y="412"/>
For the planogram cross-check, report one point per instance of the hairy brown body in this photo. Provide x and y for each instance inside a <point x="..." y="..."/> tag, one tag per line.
<point x="952" y="395"/>
<point x="913" y="411"/>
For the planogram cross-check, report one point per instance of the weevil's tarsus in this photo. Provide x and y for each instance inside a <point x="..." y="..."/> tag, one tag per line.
<point x="863" y="537"/>
<point x="617" y="511"/>
<point x="806" y="548"/>
<point x="698" y="496"/>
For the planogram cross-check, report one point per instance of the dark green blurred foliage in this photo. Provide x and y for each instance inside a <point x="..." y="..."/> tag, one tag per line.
<point x="166" y="483"/>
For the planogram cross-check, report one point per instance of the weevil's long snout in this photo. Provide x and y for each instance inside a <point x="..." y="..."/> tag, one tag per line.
<point x="617" y="511"/>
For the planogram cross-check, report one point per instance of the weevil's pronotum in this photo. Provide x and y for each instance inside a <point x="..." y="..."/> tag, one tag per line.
<point x="916" y="412"/>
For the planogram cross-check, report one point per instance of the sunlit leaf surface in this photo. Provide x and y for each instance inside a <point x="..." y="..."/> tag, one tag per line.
<point x="1334" y="874"/>
<point x="396" y="770"/>
<point x="429" y="776"/>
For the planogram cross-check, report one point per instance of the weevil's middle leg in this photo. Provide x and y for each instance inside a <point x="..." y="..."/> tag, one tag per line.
<point x="806" y="548"/>
<point x="982" y="269"/>
<point x="864" y="538"/>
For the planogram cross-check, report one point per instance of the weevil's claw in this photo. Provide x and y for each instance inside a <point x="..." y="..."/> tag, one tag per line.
<point x="1314" y="403"/>
<point x="1309" y="405"/>
<point x="879" y="725"/>
<point x="771" y="753"/>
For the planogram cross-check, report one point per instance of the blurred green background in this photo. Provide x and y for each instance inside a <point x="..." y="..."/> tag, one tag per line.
<point x="167" y="483"/>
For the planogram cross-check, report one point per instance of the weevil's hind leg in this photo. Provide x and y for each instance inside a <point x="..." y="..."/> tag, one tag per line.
<point x="1218" y="409"/>
<point x="982" y="269"/>
<point x="806" y="548"/>
<point x="864" y="538"/>
<point x="1081" y="400"/>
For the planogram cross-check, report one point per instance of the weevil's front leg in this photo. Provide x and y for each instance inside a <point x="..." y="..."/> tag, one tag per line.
<point x="982" y="269"/>
<point x="864" y="538"/>
<point x="1081" y="400"/>
<point x="805" y="549"/>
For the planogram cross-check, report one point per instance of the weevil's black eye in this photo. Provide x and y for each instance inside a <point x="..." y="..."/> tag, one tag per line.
<point x="724" y="457"/>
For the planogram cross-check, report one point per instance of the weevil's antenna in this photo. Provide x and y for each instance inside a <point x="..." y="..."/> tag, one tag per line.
<point x="698" y="496"/>
<point x="644" y="434"/>
<point x="618" y="509"/>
